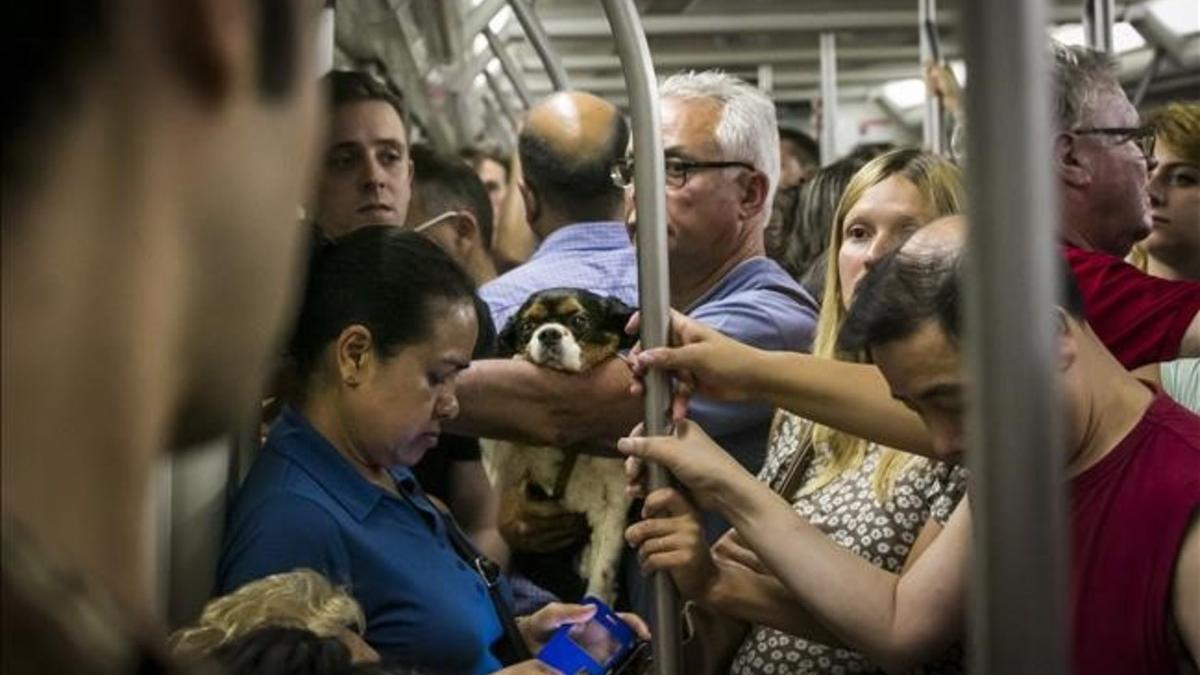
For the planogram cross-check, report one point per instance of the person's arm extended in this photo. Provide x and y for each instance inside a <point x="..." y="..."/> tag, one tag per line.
<point x="745" y="590"/>
<point x="515" y="400"/>
<point x="853" y="397"/>
<point x="1187" y="591"/>
<point x="898" y="621"/>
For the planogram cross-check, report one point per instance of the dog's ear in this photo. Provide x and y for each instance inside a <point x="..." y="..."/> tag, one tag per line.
<point x="508" y="341"/>
<point x="617" y="315"/>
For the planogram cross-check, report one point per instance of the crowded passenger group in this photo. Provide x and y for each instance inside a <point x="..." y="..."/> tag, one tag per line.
<point x="157" y="286"/>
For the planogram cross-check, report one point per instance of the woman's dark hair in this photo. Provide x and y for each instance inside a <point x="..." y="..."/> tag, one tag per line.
<point x="382" y="278"/>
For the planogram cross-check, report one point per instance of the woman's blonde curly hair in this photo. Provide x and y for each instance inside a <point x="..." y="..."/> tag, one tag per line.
<point x="297" y="599"/>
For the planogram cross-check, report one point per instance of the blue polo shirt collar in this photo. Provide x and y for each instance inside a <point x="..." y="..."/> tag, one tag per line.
<point x="317" y="457"/>
<point x="591" y="236"/>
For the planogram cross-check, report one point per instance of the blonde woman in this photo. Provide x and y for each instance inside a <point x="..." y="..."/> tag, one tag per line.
<point x="299" y="599"/>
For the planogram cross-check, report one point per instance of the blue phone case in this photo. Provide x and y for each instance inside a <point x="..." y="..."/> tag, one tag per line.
<point x="563" y="653"/>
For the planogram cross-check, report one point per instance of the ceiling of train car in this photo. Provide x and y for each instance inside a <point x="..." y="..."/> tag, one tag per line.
<point x="433" y="49"/>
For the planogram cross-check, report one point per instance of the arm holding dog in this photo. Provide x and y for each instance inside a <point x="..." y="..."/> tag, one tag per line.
<point x="513" y="399"/>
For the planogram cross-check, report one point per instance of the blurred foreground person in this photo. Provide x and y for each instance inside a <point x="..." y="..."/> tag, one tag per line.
<point x="154" y="155"/>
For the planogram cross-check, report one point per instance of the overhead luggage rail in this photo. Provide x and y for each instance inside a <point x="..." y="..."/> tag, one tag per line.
<point x="653" y="285"/>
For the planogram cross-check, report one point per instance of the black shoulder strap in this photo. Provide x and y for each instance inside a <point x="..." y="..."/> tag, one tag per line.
<point x="512" y="648"/>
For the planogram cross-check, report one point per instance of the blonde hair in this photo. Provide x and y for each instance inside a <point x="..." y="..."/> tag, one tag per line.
<point x="940" y="184"/>
<point x="298" y="599"/>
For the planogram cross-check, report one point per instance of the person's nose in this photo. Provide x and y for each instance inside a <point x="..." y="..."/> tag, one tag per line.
<point x="878" y="248"/>
<point x="373" y="174"/>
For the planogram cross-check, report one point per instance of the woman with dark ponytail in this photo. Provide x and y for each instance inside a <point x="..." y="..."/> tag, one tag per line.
<point x="387" y="323"/>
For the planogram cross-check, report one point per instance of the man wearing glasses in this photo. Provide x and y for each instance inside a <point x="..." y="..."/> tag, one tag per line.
<point x="1102" y="158"/>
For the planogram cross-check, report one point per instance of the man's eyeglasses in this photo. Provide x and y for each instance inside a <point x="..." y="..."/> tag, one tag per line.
<point x="1143" y="137"/>
<point x="677" y="170"/>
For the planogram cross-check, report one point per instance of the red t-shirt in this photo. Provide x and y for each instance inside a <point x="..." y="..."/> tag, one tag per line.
<point x="1140" y="318"/>
<point x="1129" y="514"/>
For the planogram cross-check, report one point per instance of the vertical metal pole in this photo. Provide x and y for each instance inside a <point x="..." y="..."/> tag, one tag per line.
<point x="766" y="78"/>
<point x="931" y="126"/>
<point x="829" y="98"/>
<point x="654" y="289"/>
<point x="509" y="65"/>
<point x="1018" y="617"/>
<point x="1098" y="24"/>
<point x="541" y="44"/>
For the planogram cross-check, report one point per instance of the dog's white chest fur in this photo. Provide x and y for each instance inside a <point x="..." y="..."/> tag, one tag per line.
<point x="596" y="489"/>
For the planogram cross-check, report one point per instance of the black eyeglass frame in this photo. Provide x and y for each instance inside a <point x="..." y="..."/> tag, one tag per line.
<point x="622" y="170"/>
<point x="1143" y="137"/>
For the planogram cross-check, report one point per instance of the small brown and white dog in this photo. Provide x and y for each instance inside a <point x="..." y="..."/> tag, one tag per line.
<point x="570" y="330"/>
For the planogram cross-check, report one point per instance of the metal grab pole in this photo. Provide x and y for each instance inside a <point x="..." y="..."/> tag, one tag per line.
<point x="654" y="290"/>
<point x="540" y="40"/>
<point x="509" y="65"/>
<point x="1098" y="24"/>
<point x="829" y="98"/>
<point x="1018" y="578"/>
<point x="931" y="127"/>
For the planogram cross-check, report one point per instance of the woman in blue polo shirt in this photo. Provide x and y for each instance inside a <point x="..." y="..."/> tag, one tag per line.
<point x="388" y="321"/>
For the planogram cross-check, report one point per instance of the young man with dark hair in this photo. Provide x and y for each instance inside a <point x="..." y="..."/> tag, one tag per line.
<point x="1132" y="455"/>
<point x="366" y="175"/>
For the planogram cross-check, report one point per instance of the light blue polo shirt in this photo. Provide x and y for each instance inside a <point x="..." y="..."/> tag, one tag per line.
<point x="304" y="505"/>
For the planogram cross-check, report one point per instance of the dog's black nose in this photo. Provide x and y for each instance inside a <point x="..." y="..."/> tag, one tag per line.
<point x="550" y="336"/>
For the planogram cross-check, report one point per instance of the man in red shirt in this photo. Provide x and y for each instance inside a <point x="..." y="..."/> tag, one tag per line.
<point x="1133" y="458"/>
<point x="1102" y="158"/>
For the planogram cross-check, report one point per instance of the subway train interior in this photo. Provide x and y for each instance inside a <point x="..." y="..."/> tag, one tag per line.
<point x="753" y="179"/>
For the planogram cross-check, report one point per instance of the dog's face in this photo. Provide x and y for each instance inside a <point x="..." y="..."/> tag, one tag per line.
<point x="567" y="329"/>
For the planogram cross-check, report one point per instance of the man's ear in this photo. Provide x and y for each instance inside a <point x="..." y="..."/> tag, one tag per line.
<point x="211" y="45"/>
<point x="466" y="233"/>
<point x="1071" y="167"/>
<point x="1068" y="339"/>
<point x="355" y="351"/>
<point x="754" y="194"/>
